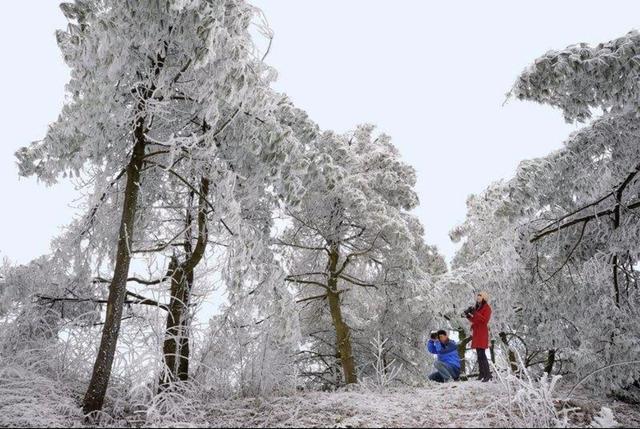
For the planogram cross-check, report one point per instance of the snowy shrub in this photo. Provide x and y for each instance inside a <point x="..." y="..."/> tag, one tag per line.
<point x="181" y="405"/>
<point x="529" y="402"/>
<point x="246" y="355"/>
<point x="604" y="419"/>
<point x="385" y="371"/>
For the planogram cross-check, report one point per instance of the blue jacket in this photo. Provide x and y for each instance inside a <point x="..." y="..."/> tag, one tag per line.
<point x="447" y="353"/>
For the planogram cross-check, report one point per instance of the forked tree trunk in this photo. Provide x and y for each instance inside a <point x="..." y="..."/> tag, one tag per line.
<point x="176" y="348"/>
<point x="176" y="343"/>
<point x="343" y="336"/>
<point x="94" y="397"/>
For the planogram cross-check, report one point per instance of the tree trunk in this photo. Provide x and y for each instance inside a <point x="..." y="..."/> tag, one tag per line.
<point x="117" y="290"/>
<point x="176" y="347"/>
<point x="614" y="262"/>
<point x="172" y="331"/>
<point x="185" y="349"/>
<point x="463" y="340"/>
<point x="616" y="286"/>
<point x="513" y="363"/>
<point x="551" y="360"/>
<point x="343" y="337"/>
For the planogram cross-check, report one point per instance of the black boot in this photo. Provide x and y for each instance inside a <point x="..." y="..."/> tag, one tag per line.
<point x="487" y="372"/>
<point x="483" y="365"/>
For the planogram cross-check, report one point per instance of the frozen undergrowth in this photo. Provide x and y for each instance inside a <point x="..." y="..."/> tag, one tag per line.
<point x="27" y="399"/>
<point x="452" y="405"/>
<point x="465" y="404"/>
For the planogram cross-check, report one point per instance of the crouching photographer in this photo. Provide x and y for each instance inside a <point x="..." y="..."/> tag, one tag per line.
<point x="447" y="366"/>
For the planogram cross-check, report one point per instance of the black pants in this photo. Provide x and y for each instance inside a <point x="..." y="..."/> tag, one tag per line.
<point x="483" y="364"/>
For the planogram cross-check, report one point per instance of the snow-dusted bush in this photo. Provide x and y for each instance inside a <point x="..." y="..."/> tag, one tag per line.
<point x="243" y="361"/>
<point x="530" y="402"/>
<point x="385" y="369"/>
<point x="532" y="399"/>
<point x="604" y="419"/>
<point x="180" y="405"/>
<point x="250" y="349"/>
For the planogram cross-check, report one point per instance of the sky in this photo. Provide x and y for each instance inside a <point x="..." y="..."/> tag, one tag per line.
<point x="431" y="74"/>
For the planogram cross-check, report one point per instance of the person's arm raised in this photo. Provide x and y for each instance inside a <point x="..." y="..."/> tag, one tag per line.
<point x="451" y="346"/>
<point x="483" y="315"/>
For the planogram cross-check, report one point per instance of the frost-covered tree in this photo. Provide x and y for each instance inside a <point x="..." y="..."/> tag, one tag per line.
<point x="146" y="101"/>
<point x="558" y="242"/>
<point x="489" y="259"/>
<point x="579" y="80"/>
<point x="258" y="326"/>
<point x="351" y="238"/>
<point x="593" y="224"/>
<point x="248" y="180"/>
<point x="31" y="317"/>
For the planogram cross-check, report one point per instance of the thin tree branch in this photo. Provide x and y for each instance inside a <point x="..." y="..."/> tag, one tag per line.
<point x="323" y="296"/>
<point x="309" y="282"/>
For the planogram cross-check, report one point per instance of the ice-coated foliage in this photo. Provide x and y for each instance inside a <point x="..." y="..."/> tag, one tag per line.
<point x="582" y="78"/>
<point x="184" y="103"/>
<point x="226" y="166"/>
<point x="558" y="243"/>
<point x="352" y="237"/>
<point x="190" y="74"/>
<point x="307" y="240"/>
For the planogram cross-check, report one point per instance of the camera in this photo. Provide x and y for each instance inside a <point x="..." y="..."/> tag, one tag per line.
<point x="433" y="335"/>
<point x="469" y="311"/>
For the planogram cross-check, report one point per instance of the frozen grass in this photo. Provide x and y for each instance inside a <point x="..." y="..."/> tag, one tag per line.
<point x="530" y="402"/>
<point x="29" y="399"/>
<point x="462" y="404"/>
<point x="451" y="405"/>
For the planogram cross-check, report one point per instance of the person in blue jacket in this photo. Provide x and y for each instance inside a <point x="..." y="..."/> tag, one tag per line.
<point x="447" y="365"/>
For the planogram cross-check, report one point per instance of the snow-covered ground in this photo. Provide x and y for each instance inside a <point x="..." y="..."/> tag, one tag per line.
<point x="450" y="405"/>
<point x="466" y="404"/>
<point x="27" y="399"/>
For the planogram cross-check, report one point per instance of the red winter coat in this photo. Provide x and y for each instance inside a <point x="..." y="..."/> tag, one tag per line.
<point x="480" y="327"/>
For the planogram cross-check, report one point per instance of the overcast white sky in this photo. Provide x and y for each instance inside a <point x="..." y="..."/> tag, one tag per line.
<point x="431" y="74"/>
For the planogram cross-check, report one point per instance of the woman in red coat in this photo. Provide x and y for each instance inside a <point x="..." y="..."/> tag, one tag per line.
<point x="479" y="317"/>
